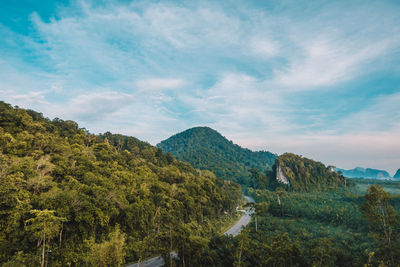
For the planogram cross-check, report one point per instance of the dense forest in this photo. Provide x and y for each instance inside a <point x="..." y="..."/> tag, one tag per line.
<point x="206" y="149"/>
<point x="338" y="228"/>
<point x="319" y="218"/>
<point x="297" y="173"/>
<point x="71" y="198"/>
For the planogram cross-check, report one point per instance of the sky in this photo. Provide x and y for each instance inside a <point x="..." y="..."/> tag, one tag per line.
<point x="316" y="78"/>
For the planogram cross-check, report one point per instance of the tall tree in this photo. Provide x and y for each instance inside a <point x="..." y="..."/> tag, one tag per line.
<point x="44" y="226"/>
<point x="384" y="222"/>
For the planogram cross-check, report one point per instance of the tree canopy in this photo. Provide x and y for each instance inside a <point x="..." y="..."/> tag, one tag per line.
<point x="206" y="149"/>
<point x="67" y="194"/>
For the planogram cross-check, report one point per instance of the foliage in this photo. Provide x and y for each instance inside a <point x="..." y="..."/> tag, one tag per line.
<point x="299" y="229"/>
<point x="206" y="149"/>
<point x="335" y="228"/>
<point x="108" y="253"/>
<point x="299" y="174"/>
<point x="304" y="174"/>
<point x="66" y="191"/>
<point x="390" y="186"/>
<point x="306" y="229"/>
<point x="44" y="226"/>
<point x="384" y="222"/>
<point x="71" y="198"/>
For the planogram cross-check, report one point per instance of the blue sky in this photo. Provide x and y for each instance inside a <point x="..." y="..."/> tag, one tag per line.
<point x="318" y="78"/>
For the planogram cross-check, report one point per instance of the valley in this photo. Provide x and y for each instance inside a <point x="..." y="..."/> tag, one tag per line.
<point x="199" y="133"/>
<point x="72" y="198"/>
<point x="234" y="230"/>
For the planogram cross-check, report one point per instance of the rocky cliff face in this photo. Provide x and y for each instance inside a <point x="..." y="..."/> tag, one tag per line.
<point x="280" y="177"/>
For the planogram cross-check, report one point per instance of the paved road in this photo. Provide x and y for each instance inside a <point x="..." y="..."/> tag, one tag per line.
<point x="244" y="220"/>
<point x="249" y="199"/>
<point x="153" y="262"/>
<point x="234" y="230"/>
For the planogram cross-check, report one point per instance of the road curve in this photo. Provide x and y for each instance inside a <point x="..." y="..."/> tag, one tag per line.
<point x="243" y="221"/>
<point x="249" y="199"/>
<point x="234" y="230"/>
<point x="153" y="262"/>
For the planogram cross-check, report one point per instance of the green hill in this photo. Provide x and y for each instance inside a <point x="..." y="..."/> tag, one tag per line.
<point x="206" y="149"/>
<point x="302" y="174"/>
<point x="72" y="198"/>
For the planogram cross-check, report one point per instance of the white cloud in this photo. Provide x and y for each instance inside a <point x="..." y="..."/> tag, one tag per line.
<point x="96" y="106"/>
<point x="383" y="116"/>
<point x="6" y="92"/>
<point x="30" y="98"/>
<point x="123" y="67"/>
<point x="263" y="47"/>
<point x="133" y="36"/>
<point x="238" y="102"/>
<point x="159" y="84"/>
<point x="192" y="28"/>
<point x="329" y="61"/>
<point x="340" y="42"/>
<point x="16" y="77"/>
<point x="56" y="87"/>
<point x="347" y="151"/>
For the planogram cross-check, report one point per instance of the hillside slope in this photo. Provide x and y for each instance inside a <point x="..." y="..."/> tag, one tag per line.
<point x="94" y="200"/>
<point x="206" y="149"/>
<point x="298" y="173"/>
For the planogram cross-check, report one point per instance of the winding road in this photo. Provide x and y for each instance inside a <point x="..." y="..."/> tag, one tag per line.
<point x="243" y="221"/>
<point x="234" y="230"/>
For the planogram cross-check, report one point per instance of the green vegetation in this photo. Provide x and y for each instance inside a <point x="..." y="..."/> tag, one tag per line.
<point x="384" y="224"/>
<point x="299" y="174"/>
<point x="309" y="215"/>
<point x="325" y="228"/>
<point x="305" y="174"/>
<point x="336" y="228"/>
<point x="390" y="186"/>
<point x="319" y="219"/>
<point x="206" y="149"/>
<point x="71" y="198"/>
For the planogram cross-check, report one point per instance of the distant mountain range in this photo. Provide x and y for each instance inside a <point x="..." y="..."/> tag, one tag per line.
<point x="207" y="149"/>
<point x="397" y="175"/>
<point x="359" y="172"/>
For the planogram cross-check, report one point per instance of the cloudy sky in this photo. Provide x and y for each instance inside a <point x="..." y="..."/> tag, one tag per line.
<point x="318" y="78"/>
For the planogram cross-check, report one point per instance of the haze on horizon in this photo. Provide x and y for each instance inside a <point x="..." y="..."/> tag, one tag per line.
<point x="320" y="78"/>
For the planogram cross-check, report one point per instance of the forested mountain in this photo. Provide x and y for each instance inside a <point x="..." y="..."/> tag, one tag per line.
<point x="359" y="172"/>
<point x="297" y="173"/>
<point x="397" y="175"/>
<point x="71" y="198"/>
<point x="304" y="174"/>
<point x="206" y="149"/>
